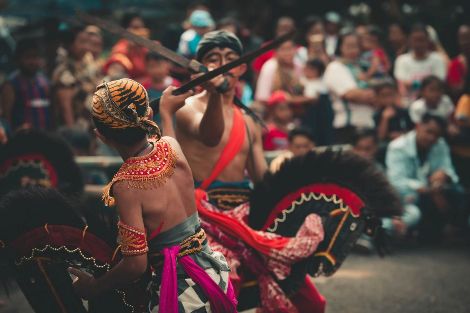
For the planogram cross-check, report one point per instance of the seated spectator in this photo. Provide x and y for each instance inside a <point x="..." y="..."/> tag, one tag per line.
<point x="312" y="79"/>
<point x="314" y="41"/>
<point x="411" y="68"/>
<point x="284" y="25"/>
<point x="366" y="144"/>
<point x="126" y="49"/>
<point x="281" y="120"/>
<point x="420" y="167"/>
<point x="300" y="143"/>
<point x="201" y="22"/>
<point x="280" y="73"/>
<point x="397" y="39"/>
<point x="458" y="66"/>
<point x="374" y="55"/>
<point x="25" y="96"/>
<point x="352" y="100"/>
<point x="74" y="80"/>
<point x="432" y="100"/>
<point x="391" y="121"/>
<point x="158" y="75"/>
<point x="332" y="27"/>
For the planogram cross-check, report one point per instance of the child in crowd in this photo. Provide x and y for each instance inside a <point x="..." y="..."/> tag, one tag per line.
<point x="158" y="71"/>
<point x="374" y="56"/>
<point x="300" y="143"/>
<point x="311" y="80"/>
<point x="391" y="120"/>
<point x="432" y="100"/>
<point x="281" y="121"/>
<point x="25" y="96"/>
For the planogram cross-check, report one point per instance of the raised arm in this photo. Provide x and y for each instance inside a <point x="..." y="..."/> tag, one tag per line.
<point x="256" y="162"/>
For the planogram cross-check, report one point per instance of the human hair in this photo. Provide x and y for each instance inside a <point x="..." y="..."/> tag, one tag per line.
<point x="419" y="28"/>
<point x="431" y="79"/>
<point x="384" y="84"/>
<point x="316" y="64"/>
<point x="376" y="32"/>
<point x="428" y="118"/>
<point x="153" y="56"/>
<point x="345" y="32"/>
<point x="301" y="131"/>
<point x="364" y="133"/>
<point x="403" y="27"/>
<point x="26" y="45"/>
<point x="227" y="21"/>
<point x="125" y="136"/>
<point x="128" y="17"/>
<point x="69" y="36"/>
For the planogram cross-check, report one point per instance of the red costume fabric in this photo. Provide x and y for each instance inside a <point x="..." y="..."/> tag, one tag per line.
<point x="456" y="72"/>
<point x="269" y="255"/>
<point x="136" y="56"/>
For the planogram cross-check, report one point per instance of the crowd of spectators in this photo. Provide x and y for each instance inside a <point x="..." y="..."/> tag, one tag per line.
<point x="393" y="94"/>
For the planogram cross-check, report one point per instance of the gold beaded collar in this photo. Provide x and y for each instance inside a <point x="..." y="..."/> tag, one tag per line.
<point x="145" y="172"/>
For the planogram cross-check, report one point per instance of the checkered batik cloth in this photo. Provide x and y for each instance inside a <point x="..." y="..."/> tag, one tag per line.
<point x="191" y="298"/>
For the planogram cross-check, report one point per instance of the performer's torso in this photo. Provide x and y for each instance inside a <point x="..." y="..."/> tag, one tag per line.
<point x="202" y="158"/>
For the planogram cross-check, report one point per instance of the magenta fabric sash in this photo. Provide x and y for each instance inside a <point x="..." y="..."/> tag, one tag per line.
<point x="219" y="301"/>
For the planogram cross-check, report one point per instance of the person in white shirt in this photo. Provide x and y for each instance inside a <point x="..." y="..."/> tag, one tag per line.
<point x="352" y="100"/>
<point x="432" y="100"/>
<point x="332" y="26"/>
<point x="412" y="67"/>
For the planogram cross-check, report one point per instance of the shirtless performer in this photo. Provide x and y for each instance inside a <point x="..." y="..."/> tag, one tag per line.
<point x="220" y="143"/>
<point x="158" y="222"/>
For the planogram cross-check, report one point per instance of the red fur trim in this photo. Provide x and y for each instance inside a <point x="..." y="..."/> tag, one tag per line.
<point x="349" y="198"/>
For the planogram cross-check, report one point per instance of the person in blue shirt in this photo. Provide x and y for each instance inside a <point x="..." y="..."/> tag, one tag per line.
<point x="420" y="167"/>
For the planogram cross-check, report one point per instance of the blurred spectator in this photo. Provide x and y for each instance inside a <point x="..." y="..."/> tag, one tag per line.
<point x="314" y="41"/>
<point x="435" y="44"/>
<point x="432" y="100"/>
<point x="25" y="96"/>
<point x="280" y="73"/>
<point x="332" y="27"/>
<point x="352" y="101"/>
<point x="374" y="56"/>
<point x="391" y="120"/>
<point x="95" y="40"/>
<point x="411" y="68"/>
<point x="366" y="144"/>
<point x="125" y="49"/>
<point x="420" y="167"/>
<point x="284" y="25"/>
<point x="281" y="121"/>
<point x="397" y="39"/>
<point x="74" y="80"/>
<point x="458" y="66"/>
<point x="201" y="22"/>
<point x="312" y="79"/>
<point x="300" y="143"/>
<point x="158" y="73"/>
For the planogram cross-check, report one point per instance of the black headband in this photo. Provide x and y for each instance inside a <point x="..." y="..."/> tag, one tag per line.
<point x="218" y="39"/>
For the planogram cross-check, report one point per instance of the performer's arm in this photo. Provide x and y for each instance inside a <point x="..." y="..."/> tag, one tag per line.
<point x="169" y="104"/>
<point x="130" y="267"/>
<point x="256" y="162"/>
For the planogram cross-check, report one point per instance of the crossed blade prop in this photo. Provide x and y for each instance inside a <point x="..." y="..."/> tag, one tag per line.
<point x="193" y="65"/>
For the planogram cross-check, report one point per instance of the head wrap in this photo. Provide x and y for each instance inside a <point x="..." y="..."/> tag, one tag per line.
<point x="218" y="39"/>
<point x="201" y="18"/>
<point x="124" y="103"/>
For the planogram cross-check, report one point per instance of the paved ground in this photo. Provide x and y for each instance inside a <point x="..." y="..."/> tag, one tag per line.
<point x="412" y="280"/>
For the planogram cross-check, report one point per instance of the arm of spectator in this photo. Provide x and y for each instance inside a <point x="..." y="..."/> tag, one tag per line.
<point x="445" y="162"/>
<point x="382" y="128"/>
<point x="399" y="168"/>
<point x="7" y="99"/>
<point x="402" y="76"/>
<point x="373" y="68"/>
<point x="256" y="162"/>
<point x="65" y="103"/>
<point x="264" y="84"/>
<point x="363" y="96"/>
<point x="440" y="67"/>
<point x="299" y="100"/>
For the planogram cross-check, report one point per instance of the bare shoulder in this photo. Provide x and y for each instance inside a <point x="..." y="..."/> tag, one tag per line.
<point x="173" y="143"/>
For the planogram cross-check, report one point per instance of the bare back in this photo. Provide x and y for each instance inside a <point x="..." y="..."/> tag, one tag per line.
<point x="203" y="158"/>
<point x="167" y="205"/>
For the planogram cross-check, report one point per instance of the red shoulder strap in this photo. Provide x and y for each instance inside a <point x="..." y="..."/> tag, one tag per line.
<point x="231" y="149"/>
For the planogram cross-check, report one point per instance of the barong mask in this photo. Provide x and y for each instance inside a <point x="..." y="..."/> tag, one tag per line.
<point x="122" y="104"/>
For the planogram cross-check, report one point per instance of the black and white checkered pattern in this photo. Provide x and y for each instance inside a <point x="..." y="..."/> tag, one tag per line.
<point x="191" y="298"/>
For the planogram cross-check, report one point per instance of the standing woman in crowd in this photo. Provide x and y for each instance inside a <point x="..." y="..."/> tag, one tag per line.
<point x="397" y="40"/>
<point x="314" y="41"/>
<point x="74" y="80"/>
<point x="352" y="100"/>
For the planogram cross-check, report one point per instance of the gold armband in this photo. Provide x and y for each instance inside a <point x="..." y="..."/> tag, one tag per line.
<point x="132" y="241"/>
